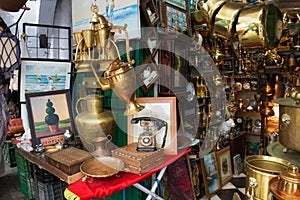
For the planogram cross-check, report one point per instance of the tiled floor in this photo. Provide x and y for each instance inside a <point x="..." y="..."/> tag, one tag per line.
<point x="237" y="184"/>
<point x="9" y="185"/>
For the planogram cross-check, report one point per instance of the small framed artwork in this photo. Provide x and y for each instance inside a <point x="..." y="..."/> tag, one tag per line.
<point x="175" y="19"/>
<point x="237" y="164"/>
<point x="41" y="76"/>
<point x="162" y="108"/>
<point x="178" y="3"/>
<point x="150" y="13"/>
<point x="150" y="41"/>
<point x="147" y="74"/>
<point x="210" y="174"/>
<point x="224" y="165"/>
<point x="49" y="116"/>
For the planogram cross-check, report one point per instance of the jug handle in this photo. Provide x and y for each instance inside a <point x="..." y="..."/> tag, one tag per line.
<point x="77" y="104"/>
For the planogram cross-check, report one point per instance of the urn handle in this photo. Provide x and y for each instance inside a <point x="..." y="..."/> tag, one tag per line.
<point x="250" y="195"/>
<point x="285" y="121"/>
<point x="77" y="103"/>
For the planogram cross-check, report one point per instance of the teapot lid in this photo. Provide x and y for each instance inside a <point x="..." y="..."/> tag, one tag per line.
<point x="117" y="67"/>
<point x="291" y="175"/>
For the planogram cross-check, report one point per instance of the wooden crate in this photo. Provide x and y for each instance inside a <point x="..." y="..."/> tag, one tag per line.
<point x="139" y="162"/>
<point x="68" y="160"/>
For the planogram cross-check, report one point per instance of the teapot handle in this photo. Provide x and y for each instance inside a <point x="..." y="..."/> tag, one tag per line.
<point x="77" y="104"/>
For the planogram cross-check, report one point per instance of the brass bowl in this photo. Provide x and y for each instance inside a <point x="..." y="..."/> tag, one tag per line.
<point x="102" y="167"/>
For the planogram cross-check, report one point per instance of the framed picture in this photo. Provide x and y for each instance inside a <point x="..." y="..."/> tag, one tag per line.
<point x="147" y="74"/>
<point x="49" y="116"/>
<point x="41" y="76"/>
<point x="150" y="13"/>
<point x="163" y="108"/>
<point x="175" y="19"/>
<point x="224" y="164"/>
<point x="150" y="41"/>
<point x="210" y="174"/>
<point x="178" y="3"/>
<point x="173" y="66"/>
<point x="237" y="164"/>
<point x="47" y="42"/>
<point x="118" y="12"/>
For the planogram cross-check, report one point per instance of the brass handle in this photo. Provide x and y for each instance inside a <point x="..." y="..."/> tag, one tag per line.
<point x="285" y="121"/>
<point x="77" y="104"/>
<point x="250" y="191"/>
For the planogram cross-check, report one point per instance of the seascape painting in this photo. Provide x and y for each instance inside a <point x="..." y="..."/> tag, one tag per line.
<point x="117" y="12"/>
<point x="41" y="76"/>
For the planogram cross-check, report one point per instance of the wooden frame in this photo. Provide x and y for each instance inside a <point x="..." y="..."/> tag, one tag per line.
<point x="147" y="74"/>
<point x="175" y="19"/>
<point x="210" y="174"/>
<point x="178" y="3"/>
<point x="41" y="107"/>
<point x="40" y="76"/>
<point x="173" y="66"/>
<point x="150" y="41"/>
<point x="224" y="165"/>
<point x="237" y="164"/>
<point x="150" y="13"/>
<point x="159" y="107"/>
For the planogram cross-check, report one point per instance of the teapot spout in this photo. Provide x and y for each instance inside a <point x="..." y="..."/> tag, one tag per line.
<point x="101" y="81"/>
<point x="103" y="84"/>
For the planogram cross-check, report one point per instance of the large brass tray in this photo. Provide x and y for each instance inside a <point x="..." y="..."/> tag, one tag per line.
<point x="101" y="167"/>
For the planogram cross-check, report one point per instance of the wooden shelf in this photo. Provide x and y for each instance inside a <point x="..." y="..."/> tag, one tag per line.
<point x="42" y="163"/>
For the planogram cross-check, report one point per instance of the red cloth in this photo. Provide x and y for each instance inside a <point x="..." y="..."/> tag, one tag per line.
<point x="102" y="188"/>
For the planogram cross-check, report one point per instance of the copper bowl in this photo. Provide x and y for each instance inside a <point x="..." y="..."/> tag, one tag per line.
<point x="286" y="185"/>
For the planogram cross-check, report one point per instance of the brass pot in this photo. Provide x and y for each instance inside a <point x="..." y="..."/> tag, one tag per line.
<point x="259" y="26"/>
<point x="287" y="185"/>
<point x="260" y="170"/>
<point x="226" y="19"/>
<point x="289" y="112"/>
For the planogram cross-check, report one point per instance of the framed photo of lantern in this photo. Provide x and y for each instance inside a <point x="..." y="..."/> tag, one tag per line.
<point x="49" y="116"/>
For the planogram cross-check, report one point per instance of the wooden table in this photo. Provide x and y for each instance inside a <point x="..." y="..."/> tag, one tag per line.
<point x="42" y="163"/>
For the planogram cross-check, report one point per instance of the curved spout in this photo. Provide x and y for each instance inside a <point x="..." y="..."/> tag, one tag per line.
<point x="101" y="81"/>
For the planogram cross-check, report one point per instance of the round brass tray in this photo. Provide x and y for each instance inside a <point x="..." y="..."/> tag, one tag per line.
<point x="102" y="167"/>
<point x="278" y="150"/>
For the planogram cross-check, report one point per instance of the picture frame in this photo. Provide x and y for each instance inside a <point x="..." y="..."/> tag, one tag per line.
<point x="237" y="164"/>
<point x="175" y="19"/>
<point x="48" y="127"/>
<point x="211" y="177"/>
<point x="163" y="108"/>
<point x="150" y="42"/>
<point x="150" y="12"/>
<point x="224" y="165"/>
<point x="41" y="76"/>
<point x="147" y="74"/>
<point x="178" y="3"/>
<point x="173" y="66"/>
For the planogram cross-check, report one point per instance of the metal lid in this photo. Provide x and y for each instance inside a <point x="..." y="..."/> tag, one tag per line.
<point x="291" y="175"/>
